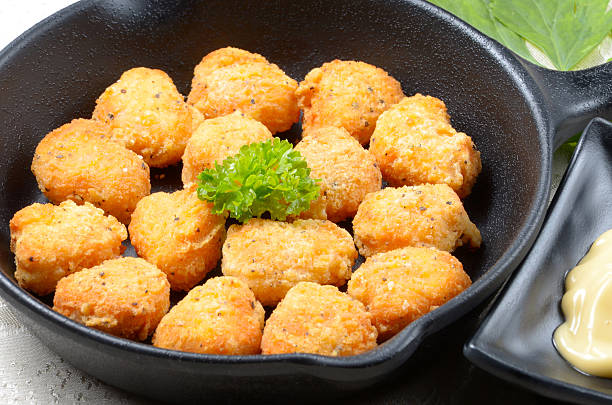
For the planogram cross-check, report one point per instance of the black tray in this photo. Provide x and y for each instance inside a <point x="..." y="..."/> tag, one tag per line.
<point x="515" y="340"/>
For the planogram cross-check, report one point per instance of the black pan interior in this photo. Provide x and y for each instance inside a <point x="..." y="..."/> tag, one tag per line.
<point x="56" y="71"/>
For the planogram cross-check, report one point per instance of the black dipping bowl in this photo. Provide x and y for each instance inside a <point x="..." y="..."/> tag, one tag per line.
<point x="515" y="341"/>
<point x="516" y="113"/>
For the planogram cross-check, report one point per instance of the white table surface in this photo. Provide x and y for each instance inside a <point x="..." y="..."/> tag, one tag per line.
<point x="29" y="372"/>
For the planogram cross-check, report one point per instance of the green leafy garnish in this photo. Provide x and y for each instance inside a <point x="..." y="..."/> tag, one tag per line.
<point x="565" y="30"/>
<point x="478" y="14"/>
<point x="264" y="177"/>
<point x="569" y="146"/>
<point x="567" y="149"/>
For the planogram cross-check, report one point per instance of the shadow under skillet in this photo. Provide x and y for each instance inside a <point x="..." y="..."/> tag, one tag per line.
<point x="515" y="340"/>
<point x="438" y="373"/>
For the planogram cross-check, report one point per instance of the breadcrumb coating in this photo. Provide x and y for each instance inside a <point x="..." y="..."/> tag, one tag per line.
<point x="220" y="317"/>
<point x="231" y="79"/>
<point x="347" y="94"/>
<point x="318" y="319"/>
<point x="273" y="256"/>
<point x="51" y="242"/>
<point x="77" y="162"/>
<point x="402" y="285"/>
<point x="414" y="143"/>
<point x="347" y="171"/>
<point x="148" y="115"/>
<point x="224" y="57"/>
<point x="126" y="297"/>
<point x="426" y="215"/>
<point x="217" y="139"/>
<point x="178" y="233"/>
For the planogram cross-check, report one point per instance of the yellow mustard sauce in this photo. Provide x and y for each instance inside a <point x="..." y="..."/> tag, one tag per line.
<point x="585" y="338"/>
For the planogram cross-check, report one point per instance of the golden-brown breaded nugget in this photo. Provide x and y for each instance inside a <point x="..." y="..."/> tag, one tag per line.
<point x="414" y="143"/>
<point x="347" y="94"/>
<point x="231" y="79"/>
<point x="402" y="285"/>
<point x="220" y="317"/>
<point x="273" y="256"/>
<point x="126" y="297"/>
<point x="425" y="215"/>
<point x="318" y="319"/>
<point x="426" y="106"/>
<point x="148" y="115"/>
<point x="316" y="210"/>
<point x="77" y="162"/>
<point x="51" y="241"/>
<point x="347" y="171"/>
<point x="178" y="233"/>
<point x="217" y="139"/>
<point x="223" y="57"/>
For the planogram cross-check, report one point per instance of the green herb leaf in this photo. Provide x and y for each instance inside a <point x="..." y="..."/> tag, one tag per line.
<point x="569" y="146"/>
<point x="478" y="14"/>
<point x="571" y="143"/>
<point x="263" y="177"/>
<point x="565" y="30"/>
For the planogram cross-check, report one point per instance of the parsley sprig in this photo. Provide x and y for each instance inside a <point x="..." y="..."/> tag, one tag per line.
<point x="263" y="177"/>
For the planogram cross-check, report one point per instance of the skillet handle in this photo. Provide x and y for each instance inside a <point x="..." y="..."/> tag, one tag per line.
<point x="574" y="98"/>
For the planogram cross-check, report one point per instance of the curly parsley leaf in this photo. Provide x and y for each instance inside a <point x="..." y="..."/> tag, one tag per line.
<point x="565" y="30"/>
<point x="263" y="177"/>
<point x="478" y="14"/>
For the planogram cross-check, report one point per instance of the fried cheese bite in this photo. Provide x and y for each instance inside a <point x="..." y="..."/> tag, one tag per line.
<point x="179" y="234"/>
<point x="414" y="143"/>
<point x="231" y="79"/>
<point x="220" y="317"/>
<point x="148" y="115"/>
<point x="347" y="94"/>
<point x="51" y="241"/>
<point x="273" y="256"/>
<point x="347" y="171"/>
<point x="224" y="57"/>
<point x="402" y="285"/>
<point x="217" y="139"/>
<point x="78" y="162"/>
<point x="426" y="215"/>
<point x="126" y="297"/>
<point x="318" y="319"/>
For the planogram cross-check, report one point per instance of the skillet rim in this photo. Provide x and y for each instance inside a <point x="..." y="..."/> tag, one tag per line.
<point x="408" y="340"/>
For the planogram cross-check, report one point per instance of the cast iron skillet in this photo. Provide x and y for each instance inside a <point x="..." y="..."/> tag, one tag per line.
<point x="516" y="113"/>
